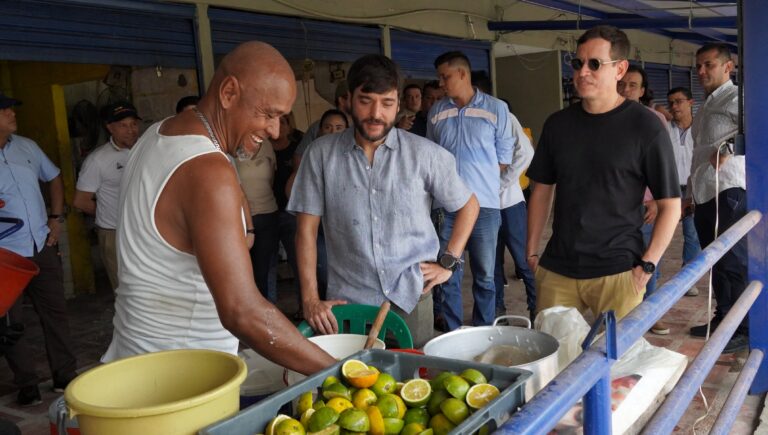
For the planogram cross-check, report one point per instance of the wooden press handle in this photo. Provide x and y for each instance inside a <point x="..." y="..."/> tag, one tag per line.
<point x="376" y="327"/>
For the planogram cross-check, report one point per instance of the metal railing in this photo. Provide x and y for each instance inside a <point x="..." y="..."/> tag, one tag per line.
<point x="588" y="376"/>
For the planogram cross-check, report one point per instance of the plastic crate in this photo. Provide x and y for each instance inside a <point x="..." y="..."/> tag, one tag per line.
<point x="509" y="380"/>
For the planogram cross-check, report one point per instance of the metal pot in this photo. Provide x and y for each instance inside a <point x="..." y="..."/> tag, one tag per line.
<point x="518" y="347"/>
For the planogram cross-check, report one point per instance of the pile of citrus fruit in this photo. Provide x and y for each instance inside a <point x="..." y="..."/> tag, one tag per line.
<point x="367" y="401"/>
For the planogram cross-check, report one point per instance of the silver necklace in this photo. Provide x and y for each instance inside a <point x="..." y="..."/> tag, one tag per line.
<point x="207" y="126"/>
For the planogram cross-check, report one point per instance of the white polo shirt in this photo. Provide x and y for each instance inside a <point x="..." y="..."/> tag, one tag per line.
<point x="101" y="174"/>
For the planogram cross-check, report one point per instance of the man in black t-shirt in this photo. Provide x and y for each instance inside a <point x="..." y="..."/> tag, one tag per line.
<point x="600" y="154"/>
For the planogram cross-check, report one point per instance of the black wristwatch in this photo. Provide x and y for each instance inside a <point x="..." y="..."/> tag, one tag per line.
<point x="448" y="261"/>
<point x="647" y="266"/>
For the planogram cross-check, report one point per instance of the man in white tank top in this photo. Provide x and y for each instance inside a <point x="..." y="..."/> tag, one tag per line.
<point x="184" y="270"/>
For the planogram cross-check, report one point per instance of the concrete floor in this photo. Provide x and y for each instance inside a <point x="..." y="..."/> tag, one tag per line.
<point x="91" y="324"/>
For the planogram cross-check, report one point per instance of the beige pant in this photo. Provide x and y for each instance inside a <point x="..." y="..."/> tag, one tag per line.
<point x="612" y="292"/>
<point x="420" y="321"/>
<point x="108" y="250"/>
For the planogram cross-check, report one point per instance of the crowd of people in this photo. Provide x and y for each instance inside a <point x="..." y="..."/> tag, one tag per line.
<point x="378" y="200"/>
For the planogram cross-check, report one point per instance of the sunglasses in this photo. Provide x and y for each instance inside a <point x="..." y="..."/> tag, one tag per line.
<point x="593" y="64"/>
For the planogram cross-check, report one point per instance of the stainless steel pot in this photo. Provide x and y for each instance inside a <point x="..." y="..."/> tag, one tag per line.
<point x="505" y="345"/>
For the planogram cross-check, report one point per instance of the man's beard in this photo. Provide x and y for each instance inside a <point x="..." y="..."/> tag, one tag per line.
<point x="359" y="127"/>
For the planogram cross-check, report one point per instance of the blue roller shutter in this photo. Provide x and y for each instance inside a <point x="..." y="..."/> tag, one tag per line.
<point x="658" y="81"/>
<point x="681" y="77"/>
<point x="295" y="38"/>
<point x="415" y="53"/>
<point x="698" y="93"/>
<point x="118" y="32"/>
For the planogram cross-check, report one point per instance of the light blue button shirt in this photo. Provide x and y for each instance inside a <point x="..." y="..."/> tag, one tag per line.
<point x="22" y="166"/>
<point x="479" y="135"/>
<point x="376" y="218"/>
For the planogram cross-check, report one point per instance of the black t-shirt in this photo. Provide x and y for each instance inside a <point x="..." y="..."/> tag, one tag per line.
<point x="601" y="165"/>
<point x="284" y="168"/>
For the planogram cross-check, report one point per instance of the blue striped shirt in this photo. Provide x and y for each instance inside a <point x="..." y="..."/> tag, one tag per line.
<point x="376" y="218"/>
<point x="479" y="135"/>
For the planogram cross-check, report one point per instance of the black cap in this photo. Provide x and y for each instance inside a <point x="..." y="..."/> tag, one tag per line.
<point x="119" y="111"/>
<point x="6" y="102"/>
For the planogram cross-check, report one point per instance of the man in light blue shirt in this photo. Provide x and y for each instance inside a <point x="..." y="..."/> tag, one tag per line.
<point x="22" y="167"/>
<point x="475" y="127"/>
<point x="373" y="186"/>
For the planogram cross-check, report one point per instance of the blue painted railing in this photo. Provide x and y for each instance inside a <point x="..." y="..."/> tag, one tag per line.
<point x="588" y="375"/>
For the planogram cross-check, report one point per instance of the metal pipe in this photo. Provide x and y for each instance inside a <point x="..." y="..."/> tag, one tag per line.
<point x="736" y="397"/>
<point x="667" y="416"/>
<point x="597" y="408"/>
<point x="622" y="23"/>
<point x="549" y="405"/>
<point x="641" y="319"/>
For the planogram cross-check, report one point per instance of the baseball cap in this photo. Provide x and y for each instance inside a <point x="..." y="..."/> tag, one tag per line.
<point x="6" y="102"/>
<point x="119" y="111"/>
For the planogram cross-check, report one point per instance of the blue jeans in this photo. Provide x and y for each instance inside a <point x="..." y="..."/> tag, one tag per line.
<point x="482" y="259"/>
<point x="286" y="233"/>
<point x="512" y="234"/>
<point x="691" y="247"/>
<point x="647" y="230"/>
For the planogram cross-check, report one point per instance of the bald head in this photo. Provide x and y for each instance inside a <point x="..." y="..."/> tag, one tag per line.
<point x="252" y="87"/>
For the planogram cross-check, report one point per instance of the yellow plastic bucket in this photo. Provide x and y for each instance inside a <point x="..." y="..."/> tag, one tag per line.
<point x="169" y="392"/>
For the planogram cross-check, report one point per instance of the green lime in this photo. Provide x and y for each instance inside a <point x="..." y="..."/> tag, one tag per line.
<point x="481" y="394"/>
<point x="305" y="402"/>
<point x="456" y="386"/>
<point x="427" y="432"/>
<point x="437" y="381"/>
<point x="272" y="425"/>
<point x="330" y="380"/>
<point x="433" y="405"/>
<point x="474" y="376"/>
<point x="363" y="398"/>
<point x="322" y="418"/>
<point x="388" y="406"/>
<point x="417" y="415"/>
<point x="416" y="392"/>
<point x="336" y="390"/>
<point x="455" y="410"/>
<point x="289" y="426"/>
<point x="355" y="420"/>
<point x="393" y="426"/>
<point x="305" y="416"/>
<point x="385" y="384"/>
<point x="440" y="424"/>
<point x="412" y="429"/>
<point x="330" y="430"/>
<point x="319" y="403"/>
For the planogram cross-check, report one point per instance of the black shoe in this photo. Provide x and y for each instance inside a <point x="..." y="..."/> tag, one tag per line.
<point x="59" y="385"/>
<point x="701" y="330"/>
<point x="29" y="396"/>
<point x="736" y="343"/>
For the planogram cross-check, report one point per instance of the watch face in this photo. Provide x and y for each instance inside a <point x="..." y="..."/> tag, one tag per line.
<point x="649" y="267"/>
<point x="447" y="261"/>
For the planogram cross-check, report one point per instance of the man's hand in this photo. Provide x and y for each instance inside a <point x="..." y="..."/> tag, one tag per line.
<point x="406" y="122"/>
<point x="320" y="317"/>
<point x="651" y="210"/>
<point x="434" y="274"/>
<point x="687" y="207"/>
<point x="53" y="236"/>
<point x="533" y="262"/>
<point x="639" y="279"/>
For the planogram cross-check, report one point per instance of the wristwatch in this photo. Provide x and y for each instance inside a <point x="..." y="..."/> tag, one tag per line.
<point x="58" y="217"/>
<point x="449" y="261"/>
<point x="647" y="266"/>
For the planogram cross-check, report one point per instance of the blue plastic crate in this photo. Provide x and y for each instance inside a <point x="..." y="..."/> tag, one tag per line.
<point x="509" y="380"/>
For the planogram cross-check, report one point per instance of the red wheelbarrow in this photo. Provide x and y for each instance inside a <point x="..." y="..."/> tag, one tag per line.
<point x="15" y="270"/>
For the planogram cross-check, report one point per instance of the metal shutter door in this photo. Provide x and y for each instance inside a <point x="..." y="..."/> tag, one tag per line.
<point x="415" y="53"/>
<point x="295" y="38"/>
<point x="118" y="32"/>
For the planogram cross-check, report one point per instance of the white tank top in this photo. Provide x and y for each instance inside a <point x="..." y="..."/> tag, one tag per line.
<point x="162" y="302"/>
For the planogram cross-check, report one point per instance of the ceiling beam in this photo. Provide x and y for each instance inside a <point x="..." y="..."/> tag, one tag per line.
<point x="642" y="9"/>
